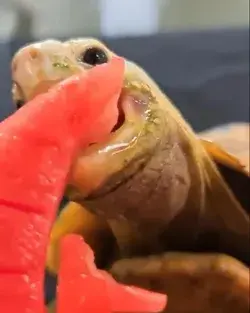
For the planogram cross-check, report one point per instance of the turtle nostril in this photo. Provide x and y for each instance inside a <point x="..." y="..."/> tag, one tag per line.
<point x="34" y="53"/>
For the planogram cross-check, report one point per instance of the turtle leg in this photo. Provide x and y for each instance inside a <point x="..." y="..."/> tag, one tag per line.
<point x="52" y="307"/>
<point x="75" y="219"/>
<point x="194" y="283"/>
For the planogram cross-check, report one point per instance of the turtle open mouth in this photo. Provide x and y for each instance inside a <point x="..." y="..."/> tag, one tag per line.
<point x="101" y="159"/>
<point x="133" y="107"/>
<point x="18" y="102"/>
<point x="121" y="116"/>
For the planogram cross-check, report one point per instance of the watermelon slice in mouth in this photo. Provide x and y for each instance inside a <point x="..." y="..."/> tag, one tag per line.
<point x="37" y="148"/>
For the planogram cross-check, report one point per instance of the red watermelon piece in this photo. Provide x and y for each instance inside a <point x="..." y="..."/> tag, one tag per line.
<point x="84" y="288"/>
<point x="80" y="288"/>
<point x="37" y="145"/>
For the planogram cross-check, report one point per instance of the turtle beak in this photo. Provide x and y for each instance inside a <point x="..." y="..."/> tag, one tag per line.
<point x="17" y="95"/>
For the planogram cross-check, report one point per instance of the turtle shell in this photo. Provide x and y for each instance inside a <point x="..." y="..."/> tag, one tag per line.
<point x="233" y="171"/>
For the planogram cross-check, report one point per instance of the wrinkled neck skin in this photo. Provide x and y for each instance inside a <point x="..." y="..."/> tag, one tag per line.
<point x="154" y="192"/>
<point x="167" y="193"/>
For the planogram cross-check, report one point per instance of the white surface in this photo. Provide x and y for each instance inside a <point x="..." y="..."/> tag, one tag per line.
<point x="62" y="18"/>
<point x="54" y="18"/>
<point x="127" y="17"/>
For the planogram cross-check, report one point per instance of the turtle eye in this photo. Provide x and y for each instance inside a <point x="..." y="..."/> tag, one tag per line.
<point x="94" y="56"/>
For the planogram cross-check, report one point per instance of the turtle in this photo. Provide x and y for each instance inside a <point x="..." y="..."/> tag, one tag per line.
<point x="163" y="208"/>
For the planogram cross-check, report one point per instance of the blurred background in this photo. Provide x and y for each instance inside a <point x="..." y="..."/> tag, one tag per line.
<point x="196" y="50"/>
<point x="117" y="18"/>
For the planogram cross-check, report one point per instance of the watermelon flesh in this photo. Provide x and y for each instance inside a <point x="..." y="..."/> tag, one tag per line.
<point x="37" y="146"/>
<point x="83" y="288"/>
<point x="38" y="142"/>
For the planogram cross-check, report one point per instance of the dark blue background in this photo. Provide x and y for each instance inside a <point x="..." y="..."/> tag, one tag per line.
<point x="205" y="73"/>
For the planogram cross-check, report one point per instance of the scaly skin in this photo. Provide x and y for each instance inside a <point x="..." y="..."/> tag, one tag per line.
<point x="154" y="185"/>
